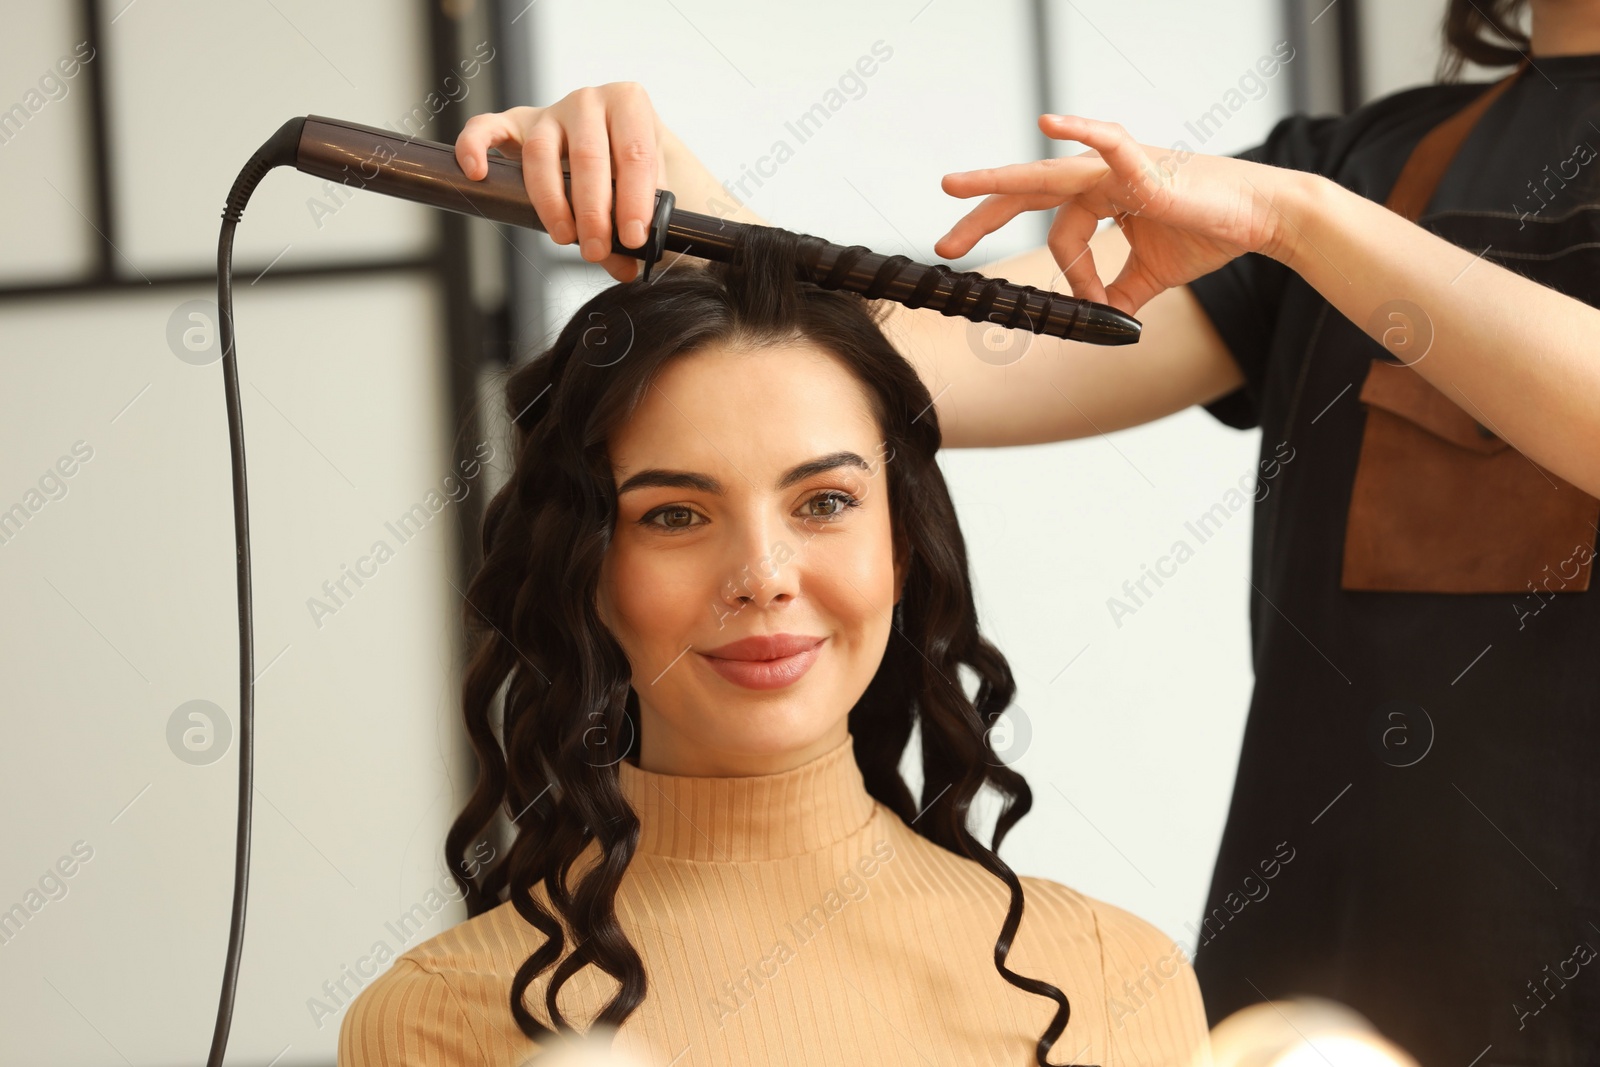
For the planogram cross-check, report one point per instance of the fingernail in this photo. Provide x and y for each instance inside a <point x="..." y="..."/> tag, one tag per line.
<point x="635" y="235"/>
<point x="592" y="248"/>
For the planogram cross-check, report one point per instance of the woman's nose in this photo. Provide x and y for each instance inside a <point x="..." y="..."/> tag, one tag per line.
<point x="761" y="562"/>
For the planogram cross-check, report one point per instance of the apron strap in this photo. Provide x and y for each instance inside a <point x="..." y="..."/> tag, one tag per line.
<point x="1439" y="504"/>
<point x="1431" y="157"/>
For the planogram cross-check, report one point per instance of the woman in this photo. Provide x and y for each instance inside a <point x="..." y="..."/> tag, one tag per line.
<point x="722" y="591"/>
<point x="1422" y="729"/>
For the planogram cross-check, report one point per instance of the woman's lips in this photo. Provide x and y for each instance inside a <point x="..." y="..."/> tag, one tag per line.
<point x="765" y="673"/>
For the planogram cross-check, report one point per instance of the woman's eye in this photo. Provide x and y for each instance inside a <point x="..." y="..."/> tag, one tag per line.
<point x="827" y="507"/>
<point x="835" y="504"/>
<point x="678" y="518"/>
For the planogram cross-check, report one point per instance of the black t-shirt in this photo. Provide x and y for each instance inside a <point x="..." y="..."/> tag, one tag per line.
<point x="1445" y="880"/>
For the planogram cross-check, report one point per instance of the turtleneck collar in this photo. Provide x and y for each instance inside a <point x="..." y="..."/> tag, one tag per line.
<point x="762" y="817"/>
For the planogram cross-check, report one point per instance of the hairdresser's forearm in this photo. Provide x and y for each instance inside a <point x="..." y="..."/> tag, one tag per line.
<point x="1516" y="355"/>
<point x="694" y="187"/>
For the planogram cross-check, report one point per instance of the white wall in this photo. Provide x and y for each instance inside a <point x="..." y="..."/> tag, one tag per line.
<point x="1401" y="43"/>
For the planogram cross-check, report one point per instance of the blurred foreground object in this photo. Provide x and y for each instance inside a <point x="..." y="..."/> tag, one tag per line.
<point x="591" y="1050"/>
<point x="1302" y="1032"/>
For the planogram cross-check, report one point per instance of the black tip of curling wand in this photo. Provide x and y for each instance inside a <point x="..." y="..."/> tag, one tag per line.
<point x="1103" y="324"/>
<point x="919" y="285"/>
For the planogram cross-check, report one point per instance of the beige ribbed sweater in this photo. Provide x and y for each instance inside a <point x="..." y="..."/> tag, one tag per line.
<point x="791" y="918"/>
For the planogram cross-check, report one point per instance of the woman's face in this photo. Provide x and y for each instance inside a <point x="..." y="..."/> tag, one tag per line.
<point x="752" y="503"/>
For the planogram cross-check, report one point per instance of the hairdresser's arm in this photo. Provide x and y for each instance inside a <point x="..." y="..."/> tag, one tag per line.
<point x="1062" y="389"/>
<point x="1516" y="355"/>
<point x="607" y="133"/>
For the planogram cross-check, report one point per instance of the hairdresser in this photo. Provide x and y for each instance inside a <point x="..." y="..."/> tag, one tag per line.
<point x="1404" y="301"/>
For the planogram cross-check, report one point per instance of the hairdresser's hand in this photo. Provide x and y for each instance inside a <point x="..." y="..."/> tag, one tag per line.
<point x="605" y="132"/>
<point x="608" y="133"/>
<point x="1184" y="214"/>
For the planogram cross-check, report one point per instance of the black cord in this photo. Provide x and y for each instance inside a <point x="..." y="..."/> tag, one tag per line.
<point x="279" y="151"/>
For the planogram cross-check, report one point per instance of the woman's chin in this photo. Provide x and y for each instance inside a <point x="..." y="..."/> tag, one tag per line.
<point x="755" y="733"/>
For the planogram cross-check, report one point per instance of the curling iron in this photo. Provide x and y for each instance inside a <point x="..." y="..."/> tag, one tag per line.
<point x="367" y="157"/>
<point x="427" y="172"/>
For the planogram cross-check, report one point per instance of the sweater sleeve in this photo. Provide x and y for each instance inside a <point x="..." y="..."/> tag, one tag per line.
<point x="408" y="1017"/>
<point x="1154" y="1013"/>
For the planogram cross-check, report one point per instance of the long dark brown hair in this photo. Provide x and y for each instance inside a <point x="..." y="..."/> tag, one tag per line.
<point x="567" y="713"/>
<point x="1464" y="24"/>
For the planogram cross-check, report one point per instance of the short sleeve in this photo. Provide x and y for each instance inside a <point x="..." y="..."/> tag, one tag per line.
<point x="1242" y="297"/>
<point x="1154" y="1013"/>
<point x="408" y="1017"/>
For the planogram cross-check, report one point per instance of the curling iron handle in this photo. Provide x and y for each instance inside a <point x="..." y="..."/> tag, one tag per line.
<point x="426" y="172"/>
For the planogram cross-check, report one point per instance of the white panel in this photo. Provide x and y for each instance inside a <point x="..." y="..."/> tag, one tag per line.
<point x="120" y="607"/>
<point x="195" y="89"/>
<point x="1151" y="713"/>
<point x="45" y="189"/>
<point x="954" y="92"/>
<point x="1401" y="43"/>
<point x="1159" y="67"/>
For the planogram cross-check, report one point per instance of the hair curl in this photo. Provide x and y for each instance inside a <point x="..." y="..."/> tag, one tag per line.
<point x="535" y="633"/>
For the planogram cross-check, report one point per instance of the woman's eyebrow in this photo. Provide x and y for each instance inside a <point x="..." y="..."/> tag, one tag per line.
<point x="658" y="478"/>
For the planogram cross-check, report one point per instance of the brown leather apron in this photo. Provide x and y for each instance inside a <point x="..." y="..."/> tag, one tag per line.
<point x="1440" y="502"/>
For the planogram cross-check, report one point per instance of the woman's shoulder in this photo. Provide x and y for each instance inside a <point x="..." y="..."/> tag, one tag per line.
<point x="1125" y="938"/>
<point x="1112" y="932"/>
<point x="410" y="1016"/>
<point x="491" y="945"/>
<point x="1154" y="1012"/>
<point x="1114" y="928"/>
<point x="431" y="1007"/>
<point x="1066" y="916"/>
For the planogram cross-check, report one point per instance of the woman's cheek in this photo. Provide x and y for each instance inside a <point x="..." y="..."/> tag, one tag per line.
<point x="664" y="598"/>
<point x="855" y="571"/>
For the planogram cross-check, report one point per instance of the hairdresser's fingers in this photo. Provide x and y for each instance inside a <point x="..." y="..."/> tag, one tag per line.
<point x="636" y="153"/>
<point x="1063" y="175"/>
<point x="539" y="135"/>
<point x="1126" y="156"/>
<point x="1068" y="241"/>
<point x="490" y="130"/>
<point x="542" y="146"/>
<point x="1134" y="285"/>
<point x="622" y="268"/>
<point x="589" y="154"/>
<point x="990" y="215"/>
